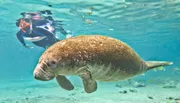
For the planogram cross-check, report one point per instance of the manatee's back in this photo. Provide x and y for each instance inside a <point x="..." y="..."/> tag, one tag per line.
<point x="97" y="49"/>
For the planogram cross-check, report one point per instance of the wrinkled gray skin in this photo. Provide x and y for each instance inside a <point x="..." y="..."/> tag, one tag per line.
<point x="92" y="58"/>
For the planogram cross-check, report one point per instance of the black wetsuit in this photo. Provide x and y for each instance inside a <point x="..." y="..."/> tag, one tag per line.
<point x="46" y="42"/>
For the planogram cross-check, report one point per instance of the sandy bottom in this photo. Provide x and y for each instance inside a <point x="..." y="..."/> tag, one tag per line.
<point x="32" y="91"/>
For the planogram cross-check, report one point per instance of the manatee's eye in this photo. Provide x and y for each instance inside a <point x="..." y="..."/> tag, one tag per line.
<point x="53" y="62"/>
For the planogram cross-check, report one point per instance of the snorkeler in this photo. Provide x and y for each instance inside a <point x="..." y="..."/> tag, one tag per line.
<point x="38" y="29"/>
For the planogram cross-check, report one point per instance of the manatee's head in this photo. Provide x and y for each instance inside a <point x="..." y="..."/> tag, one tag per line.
<point x="45" y="69"/>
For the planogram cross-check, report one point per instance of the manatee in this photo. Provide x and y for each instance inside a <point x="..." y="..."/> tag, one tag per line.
<point x="93" y="58"/>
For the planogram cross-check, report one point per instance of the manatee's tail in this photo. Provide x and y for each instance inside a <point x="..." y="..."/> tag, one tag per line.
<point x="154" y="64"/>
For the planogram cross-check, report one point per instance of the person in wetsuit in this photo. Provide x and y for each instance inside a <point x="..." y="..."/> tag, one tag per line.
<point x="38" y="29"/>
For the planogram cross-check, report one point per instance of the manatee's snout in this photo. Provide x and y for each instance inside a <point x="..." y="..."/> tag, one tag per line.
<point x="41" y="73"/>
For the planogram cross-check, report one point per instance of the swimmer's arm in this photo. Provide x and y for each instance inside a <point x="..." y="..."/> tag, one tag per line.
<point x="63" y="31"/>
<point x="59" y="28"/>
<point x="20" y="37"/>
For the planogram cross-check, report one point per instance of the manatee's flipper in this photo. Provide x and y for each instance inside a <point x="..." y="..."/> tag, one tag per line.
<point x="90" y="85"/>
<point x="64" y="82"/>
<point x="154" y="64"/>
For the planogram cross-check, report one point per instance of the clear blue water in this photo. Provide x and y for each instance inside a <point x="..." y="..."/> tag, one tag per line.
<point x="151" y="27"/>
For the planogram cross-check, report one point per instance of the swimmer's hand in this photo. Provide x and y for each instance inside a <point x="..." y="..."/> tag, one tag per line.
<point x="69" y="36"/>
<point x="29" y="47"/>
